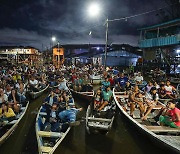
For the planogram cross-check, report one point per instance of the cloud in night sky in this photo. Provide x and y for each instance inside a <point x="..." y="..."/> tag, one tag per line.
<point x="33" y="22"/>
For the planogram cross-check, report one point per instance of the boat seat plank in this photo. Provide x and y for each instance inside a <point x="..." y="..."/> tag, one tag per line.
<point x="86" y="92"/>
<point x="159" y="129"/>
<point x="12" y="122"/>
<point x="49" y="134"/>
<point x="99" y="119"/>
<point x="98" y="126"/>
<point x="172" y="139"/>
<point x="43" y="113"/>
<point x="45" y="149"/>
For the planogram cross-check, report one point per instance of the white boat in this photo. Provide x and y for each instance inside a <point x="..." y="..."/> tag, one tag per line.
<point x="10" y="127"/>
<point x="45" y="137"/>
<point x="96" y="79"/>
<point x="101" y="122"/>
<point x="34" y="95"/>
<point x="164" y="136"/>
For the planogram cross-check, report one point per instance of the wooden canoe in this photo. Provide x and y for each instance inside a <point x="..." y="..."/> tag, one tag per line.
<point x="102" y="121"/>
<point x="96" y="80"/>
<point x="11" y="126"/>
<point x="161" y="135"/>
<point x="45" y="137"/>
<point x="34" y="95"/>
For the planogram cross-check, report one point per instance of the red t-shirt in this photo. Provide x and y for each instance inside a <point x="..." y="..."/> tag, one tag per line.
<point x="173" y="113"/>
<point x="111" y="81"/>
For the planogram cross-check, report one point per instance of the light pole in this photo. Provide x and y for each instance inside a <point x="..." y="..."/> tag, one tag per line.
<point x="58" y="55"/>
<point x="53" y="39"/>
<point x="94" y="10"/>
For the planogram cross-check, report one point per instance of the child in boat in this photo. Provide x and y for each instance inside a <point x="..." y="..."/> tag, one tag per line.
<point x="172" y="116"/>
<point x="98" y="99"/>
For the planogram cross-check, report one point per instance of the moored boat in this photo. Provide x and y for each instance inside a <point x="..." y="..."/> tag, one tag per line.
<point x="34" y="95"/>
<point x="162" y="135"/>
<point x="49" y="140"/>
<point x="101" y="121"/>
<point x="10" y="127"/>
<point x="96" y="79"/>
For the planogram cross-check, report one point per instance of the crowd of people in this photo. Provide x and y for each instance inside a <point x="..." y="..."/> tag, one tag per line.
<point x="12" y="93"/>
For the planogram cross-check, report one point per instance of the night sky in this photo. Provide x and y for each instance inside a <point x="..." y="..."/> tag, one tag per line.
<point x="33" y="22"/>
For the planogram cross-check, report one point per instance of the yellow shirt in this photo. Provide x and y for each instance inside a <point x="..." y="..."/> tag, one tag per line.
<point x="8" y="114"/>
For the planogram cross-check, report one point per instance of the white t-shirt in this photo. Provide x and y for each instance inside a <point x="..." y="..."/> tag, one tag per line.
<point x="35" y="82"/>
<point x="139" y="78"/>
<point x="5" y="98"/>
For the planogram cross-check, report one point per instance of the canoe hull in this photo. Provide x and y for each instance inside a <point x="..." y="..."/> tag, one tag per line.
<point x="152" y="136"/>
<point x="12" y="129"/>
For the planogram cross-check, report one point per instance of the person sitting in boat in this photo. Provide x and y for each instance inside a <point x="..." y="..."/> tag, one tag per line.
<point x="111" y="80"/>
<point x="69" y="115"/>
<point x="122" y="82"/>
<point x="63" y="84"/>
<point x="151" y="100"/>
<point x="170" y="90"/>
<point x="14" y="100"/>
<point x="155" y="84"/>
<point x="162" y="92"/>
<point x="61" y="103"/>
<point x="33" y="84"/>
<point x="3" y="96"/>
<point x="86" y="86"/>
<point x="148" y="87"/>
<point x="128" y="87"/>
<point x="139" y="78"/>
<point x="135" y="100"/>
<point x="77" y="84"/>
<point x="52" y="119"/>
<point x="98" y="100"/>
<point x="107" y="97"/>
<point x="171" y="116"/>
<point x="8" y="89"/>
<point x="105" y="84"/>
<point x="6" y="113"/>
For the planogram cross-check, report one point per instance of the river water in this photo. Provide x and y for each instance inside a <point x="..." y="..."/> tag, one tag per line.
<point x="122" y="139"/>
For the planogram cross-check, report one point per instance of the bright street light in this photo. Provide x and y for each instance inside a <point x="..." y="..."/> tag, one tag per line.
<point x="94" y="10"/>
<point x="53" y="38"/>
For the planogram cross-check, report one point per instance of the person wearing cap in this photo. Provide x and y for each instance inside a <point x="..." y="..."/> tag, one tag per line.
<point x="172" y="115"/>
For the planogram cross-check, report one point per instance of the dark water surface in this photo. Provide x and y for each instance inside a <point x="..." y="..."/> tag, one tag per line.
<point x="122" y="139"/>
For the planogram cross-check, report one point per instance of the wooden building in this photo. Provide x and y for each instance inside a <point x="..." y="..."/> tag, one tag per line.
<point x="58" y="56"/>
<point x="160" y="43"/>
<point x="21" y="55"/>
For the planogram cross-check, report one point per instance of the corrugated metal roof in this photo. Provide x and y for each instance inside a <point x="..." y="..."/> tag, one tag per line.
<point x="161" y="24"/>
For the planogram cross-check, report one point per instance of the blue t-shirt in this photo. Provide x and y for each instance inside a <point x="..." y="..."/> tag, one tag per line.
<point x="122" y="81"/>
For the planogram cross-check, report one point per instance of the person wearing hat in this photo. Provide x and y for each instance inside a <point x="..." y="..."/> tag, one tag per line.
<point x="172" y="115"/>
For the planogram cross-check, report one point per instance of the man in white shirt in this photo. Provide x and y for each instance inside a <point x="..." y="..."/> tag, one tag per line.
<point x="139" y="79"/>
<point x="33" y="84"/>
